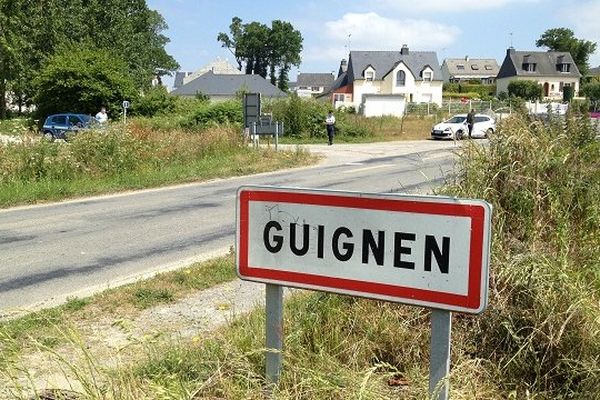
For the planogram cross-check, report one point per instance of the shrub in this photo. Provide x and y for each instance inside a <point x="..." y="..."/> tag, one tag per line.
<point x="528" y="90"/>
<point x="155" y="101"/>
<point x="82" y="79"/>
<point x="302" y="117"/>
<point x="225" y="112"/>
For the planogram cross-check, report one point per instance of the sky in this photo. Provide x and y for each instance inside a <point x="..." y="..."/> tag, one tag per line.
<point x="452" y="28"/>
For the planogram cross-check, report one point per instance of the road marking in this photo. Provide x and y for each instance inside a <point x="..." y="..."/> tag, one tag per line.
<point x="434" y="156"/>
<point x="368" y="168"/>
<point x="354" y="163"/>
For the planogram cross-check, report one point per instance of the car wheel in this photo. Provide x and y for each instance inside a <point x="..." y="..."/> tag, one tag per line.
<point x="459" y="135"/>
<point x="489" y="132"/>
<point x="48" y="135"/>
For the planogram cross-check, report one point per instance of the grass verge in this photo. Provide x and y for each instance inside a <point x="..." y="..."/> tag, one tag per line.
<point x="46" y="326"/>
<point x="379" y="129"/>
<point x="106" y="162"/>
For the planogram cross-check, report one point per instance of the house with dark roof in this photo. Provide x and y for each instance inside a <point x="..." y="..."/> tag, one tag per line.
<point x="382" y="82"/>
<point x="483" y="70"/>
<point x="227" y="86"/>
<point x="312" y="84"/>
<point x="553" y="70"/>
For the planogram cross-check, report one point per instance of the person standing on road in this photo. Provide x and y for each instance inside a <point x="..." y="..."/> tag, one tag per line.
<point x="102" y="116"/>
<point x="330" y="122"/>
<point x="470" y="121"/>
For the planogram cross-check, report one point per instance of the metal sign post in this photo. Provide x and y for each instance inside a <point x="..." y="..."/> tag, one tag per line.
<point x="400" y="248"/>
<point x="125" y="107"/>
<point x="276" y="135"/>
<point x="439" y="357"/>
<point x="274" y="328"/>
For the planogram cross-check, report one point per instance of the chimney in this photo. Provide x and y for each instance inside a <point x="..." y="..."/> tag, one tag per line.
<point x="404" y="50"/>
<point x="343" y="66"/>
<point x="467" y="58"/>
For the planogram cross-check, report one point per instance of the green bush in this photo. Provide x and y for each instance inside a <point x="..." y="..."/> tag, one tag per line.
<point x="302" y="117"/>
<point x="461" y="95"/>
<point x="156" y="101"/>
<point x="81" y="79"/>
<point x="483" y="90"/>
<point x="225" y="112"/>
<point x="528" y="90"/>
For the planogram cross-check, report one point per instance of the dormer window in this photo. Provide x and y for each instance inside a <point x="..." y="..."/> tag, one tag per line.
<point x="427" y="76"/>
<point x="369" y="76"/>
<point x="474" y="67"/>
<point x="563" y="67"/>
<point x="488" y="67"/>
<point x="460" y="67"/>
<point x="401" y="78"/>
<point x="529" y="67"/>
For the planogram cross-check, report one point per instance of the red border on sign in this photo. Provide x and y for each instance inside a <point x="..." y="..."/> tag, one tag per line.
<point x="476" y="213"/>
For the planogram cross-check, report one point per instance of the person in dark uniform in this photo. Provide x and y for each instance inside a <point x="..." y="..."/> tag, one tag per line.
<point x="470" y="122"/>
<point x="330" y="122"/>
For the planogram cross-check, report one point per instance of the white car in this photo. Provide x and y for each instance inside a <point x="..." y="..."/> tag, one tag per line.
<point x="456" y="127"/>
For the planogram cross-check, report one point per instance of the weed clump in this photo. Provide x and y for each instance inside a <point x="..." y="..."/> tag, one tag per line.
<point x="541" y="331"/>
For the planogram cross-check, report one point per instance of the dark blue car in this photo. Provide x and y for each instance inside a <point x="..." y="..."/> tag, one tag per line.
<point x="58" y="126"/>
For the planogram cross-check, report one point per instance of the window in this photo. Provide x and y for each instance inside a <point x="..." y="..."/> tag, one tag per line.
<point x="369" y="76"/>
<point x="529" y="67"/>
<point x="460" y="67"/>
<point x="73" y="120"/>
<point x="488" y="67"/>
<point x="480" y="119"/>
<point x="59" y="120"/>
<point x="315" y="88"/>
<point x="474" y="67"/>
<point x="427" y="75"/>
<point x="564" y="67"/>
<point x="400" y="78"/>
<point x="560" y="86"/>
<point x="339" y="97"/>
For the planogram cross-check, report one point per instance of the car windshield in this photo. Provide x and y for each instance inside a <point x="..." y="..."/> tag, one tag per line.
<point x="456" y="120"/>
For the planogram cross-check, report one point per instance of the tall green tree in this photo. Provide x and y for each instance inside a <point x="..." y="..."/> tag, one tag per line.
<point x="83" y="79"/>
<point x="263" y="50"/>
<point x="563" y="39"/>
<point x="286" y="44"/>
<point x="31" y="31"/>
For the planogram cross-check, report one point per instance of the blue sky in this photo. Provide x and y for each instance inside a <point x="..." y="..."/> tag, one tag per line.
<point x="478" y="28"/>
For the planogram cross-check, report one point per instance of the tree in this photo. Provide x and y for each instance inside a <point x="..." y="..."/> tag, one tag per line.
<point x="129" y="29"/>
<point x="286" y="44"/>
<point x="563" y="39"/>
<point x="528" y="90"/>
<point x="592" y="91"/>
<point x="264" y="50"/>
<point x="83" y="79"/>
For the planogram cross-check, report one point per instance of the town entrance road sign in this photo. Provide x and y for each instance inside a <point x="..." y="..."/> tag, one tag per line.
<point x="422" y="250"/>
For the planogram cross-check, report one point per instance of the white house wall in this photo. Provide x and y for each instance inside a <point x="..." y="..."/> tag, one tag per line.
<point x="362" y="87"/>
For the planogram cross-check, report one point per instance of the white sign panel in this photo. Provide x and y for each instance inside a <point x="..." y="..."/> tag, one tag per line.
<point x="429" y="251"/>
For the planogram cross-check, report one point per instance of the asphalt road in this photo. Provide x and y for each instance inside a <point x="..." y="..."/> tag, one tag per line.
<point x="74" y="248"/>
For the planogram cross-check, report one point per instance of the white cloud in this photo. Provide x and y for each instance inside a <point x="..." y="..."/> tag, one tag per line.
<point x="447" y="5"/>
<point x="370" y="31"/>
<point x="584" y="17"/>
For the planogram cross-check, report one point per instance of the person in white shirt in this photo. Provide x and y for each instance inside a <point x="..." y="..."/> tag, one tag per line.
<point x="102" y="116"/>
<point x="330" y="122"/>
